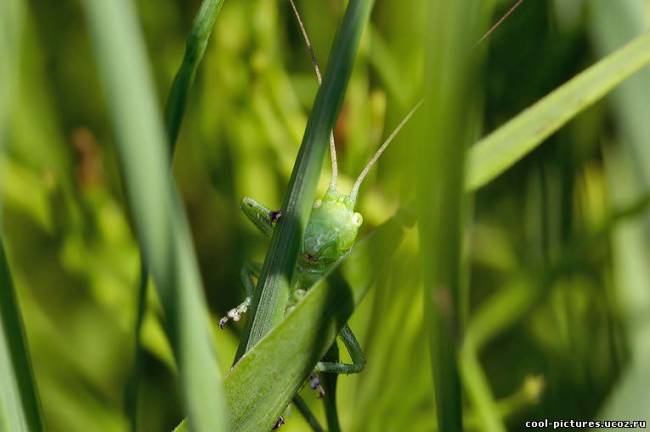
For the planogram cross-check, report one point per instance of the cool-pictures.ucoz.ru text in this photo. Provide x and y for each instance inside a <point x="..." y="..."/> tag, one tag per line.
<point x="547" y="424"/>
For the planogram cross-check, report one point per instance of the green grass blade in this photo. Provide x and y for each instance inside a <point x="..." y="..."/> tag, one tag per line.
<point x="628" y="169"/>
<point x="329" y="383"/>
<point x="133" y="385"/>
<point x="159" y="218"/>
<point x="195" y="46"/>
<point x="613" y="25"/>
<point x="11" y="17"/>
<point x="306" y="413"/>
<point x="490" y="320"/>
<point x="19" y="403"/>
<point x="272" y="292"/>
<point x="11" y="20"/>
<point x="629" y="398"/>
<point x="440" y="154"/>
<point x="495" y="153"/>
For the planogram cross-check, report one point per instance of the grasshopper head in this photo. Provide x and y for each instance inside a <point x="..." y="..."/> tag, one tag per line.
<point x="331" y="231"/>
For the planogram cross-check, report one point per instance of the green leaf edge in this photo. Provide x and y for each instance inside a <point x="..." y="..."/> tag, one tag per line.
<point x="497" y="152"/>
<point x="158" y="214"/>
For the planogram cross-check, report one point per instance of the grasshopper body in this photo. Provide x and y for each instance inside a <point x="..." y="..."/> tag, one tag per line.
<point x="330" y="233"/>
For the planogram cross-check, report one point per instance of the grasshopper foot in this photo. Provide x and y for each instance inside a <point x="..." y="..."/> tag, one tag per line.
<point x="279" y="423"/>
<point x="314" y="383"/>
<point x="275" y="216"/>
<point x="236" y="313"/>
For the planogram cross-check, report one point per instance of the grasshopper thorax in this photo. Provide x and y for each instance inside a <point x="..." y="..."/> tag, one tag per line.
<point x="331" y="231"/>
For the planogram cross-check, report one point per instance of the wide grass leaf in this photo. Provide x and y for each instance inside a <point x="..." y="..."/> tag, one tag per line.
<point x="446" y="128"/>
<point x="159" y="218"/>
<point x="629" y="398"/>
<point x="628" y="168"/>
<point x="195" y="46"/>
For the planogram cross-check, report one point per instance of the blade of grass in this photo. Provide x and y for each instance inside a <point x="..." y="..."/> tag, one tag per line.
<point x="11" y="20"/>
<point x="11" y="16"/>
<point x="160" y="221"/>
<point x="19" y="402"/>
<point x="629" y="398"/>
<point x="133" y="385"/>
<point x="262" y="383"/>
<point x="611" y="26"/>
<point x="302" y="406"/>
<point x="195" y="46"/>
<point x="628" y="173"/>
<point x="272" y="292"/>
<point x="329" y="382"/>
<point x="495" y="153"/>
<point x="485" y="324"/>
<point x="440" y="155"/>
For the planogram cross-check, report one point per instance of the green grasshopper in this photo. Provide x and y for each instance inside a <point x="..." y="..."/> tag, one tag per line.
<point x="330" y="234"/>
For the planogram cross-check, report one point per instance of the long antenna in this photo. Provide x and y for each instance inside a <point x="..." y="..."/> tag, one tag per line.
<point x="314" y="62"/>
<point x="357" y="184"/>
<point x="498" y="23"/>
<point x="378" y="153"/>
<point x="373" y="160"/>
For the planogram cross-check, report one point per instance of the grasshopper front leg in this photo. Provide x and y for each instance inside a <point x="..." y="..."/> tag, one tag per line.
<point x="263" y="218"/>
<point x="249" y="271"/>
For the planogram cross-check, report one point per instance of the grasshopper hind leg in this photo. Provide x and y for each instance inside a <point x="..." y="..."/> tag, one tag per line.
<point x="335" y="367"/>
<point x="330" y="365"/>
<point x="355" y="351"/>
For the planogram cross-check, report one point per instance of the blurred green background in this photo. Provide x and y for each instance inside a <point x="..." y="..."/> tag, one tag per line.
<point x="579" y="347"/>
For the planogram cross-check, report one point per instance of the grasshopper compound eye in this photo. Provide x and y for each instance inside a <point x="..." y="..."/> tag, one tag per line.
<point x="357" y="219"/>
